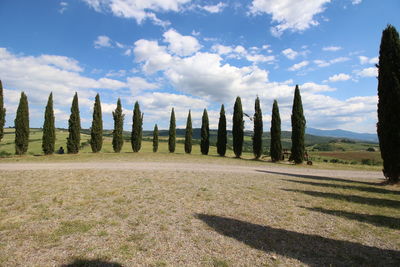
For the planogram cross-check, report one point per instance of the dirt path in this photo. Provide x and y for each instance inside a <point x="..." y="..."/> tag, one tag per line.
<point x="193" y="167"/>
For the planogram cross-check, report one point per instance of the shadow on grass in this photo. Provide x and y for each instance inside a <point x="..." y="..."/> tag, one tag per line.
<point x="351" y="187"/>
<point x="310" y="249"/>
<point x="377" y="220"/>
<point x="91" y="263"/>
<point x="314" y="177"/>
<point x="381" y="202"/>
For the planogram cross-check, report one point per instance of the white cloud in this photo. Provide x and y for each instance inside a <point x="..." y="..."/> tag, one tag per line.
<point x="180" y="44"/>
<point x="290" y="53"/>
<point x="366" y="60"/>
<point x="221" y="49"/>
<point x="332" y="48"/>
<point x="295" y="15"/>
<point x="155" y="57"/>
<point x="256" y="58"/>
<point x="368" y="72"/>
<point x="40" y="75"/>
<point x="356" y="2"/>
<point x="339" y="77"/>
<point x="140" y="10"/>
<point x="324" y="63"/>
<point x="61" y="62"/>
<point x="215" y="8"/>
<point x="138" y="84"/>
<point x="102" y="41"/>
<point x="315" y="88"/>
<point x="299" y="65"/>
<point x="63" y="7"/>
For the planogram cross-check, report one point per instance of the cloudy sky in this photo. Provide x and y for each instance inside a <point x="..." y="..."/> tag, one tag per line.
<point x="192" y="54"/>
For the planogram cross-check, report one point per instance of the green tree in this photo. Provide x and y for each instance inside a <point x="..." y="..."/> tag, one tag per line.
<point x="276" y="145"/>
<point x="22" y="126"/>
<point x="74" y="127"/>
<point x="188" y="134"/>
<point x="49" y="130"/>
<point x="155" y="138"/>
<point x="298" y="128"/>
<point x="118" y="137"/>
<point x="96" y="131"/>
<point x="205" y="134"/>
<point x="2" y="112"/>
<point x="222" y="137"/>
<point x="136" y="137"/>
<point x="172" y="132"/>
<point x="388" y="126"/>
<point x="238" y="128"/>
<point x="258" y="130"/>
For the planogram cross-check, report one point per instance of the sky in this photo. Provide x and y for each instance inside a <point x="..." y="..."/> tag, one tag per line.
<point x="191" y="55"/>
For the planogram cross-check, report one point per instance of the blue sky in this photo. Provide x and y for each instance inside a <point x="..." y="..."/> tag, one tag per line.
<point x="190" y="54"/>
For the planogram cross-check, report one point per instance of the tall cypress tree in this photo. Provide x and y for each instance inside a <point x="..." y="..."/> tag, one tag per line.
<point x="96" y="132"/>
<point x="136" y="128"/>
<point x="74" y="127"/>
<point x="155" y="138"/>
<point x="188" y="134"/>
<point x="276" y="145"/>
<point x="298" y="128"/>
<point x="2" y="112"/>
<point x="238" y="128"/>
<point x="172" y="132"/>
<point x="258" y="130"/>
<point x="388" y="126"/>
<point x="118" y="138"/>
<point x="205" y="134"/>
<point x="22" y="126"/>
<point x="49" y="130"/>
<point x="222" y="138"/>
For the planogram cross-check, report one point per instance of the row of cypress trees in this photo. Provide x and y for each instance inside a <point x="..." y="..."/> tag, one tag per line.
<point x="96" y="130"/>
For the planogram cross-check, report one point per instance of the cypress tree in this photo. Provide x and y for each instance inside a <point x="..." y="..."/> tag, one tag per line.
<point x="2" y="112"/>
<point x="276" y="145"/>
<point x="172" y="132"/>
<point x="49" y="130"/>
<point x="238" y="128"/>
<point x="118" y="138"/>
<point x="388" y="126"/>
<point x="222" y="138"/>
<point x="141" y="131"/>
<point x="96" y="132"/>
<point x="188" y="134"/>
<point x="136" y="128"/>
<point x="258" y="130"/>
<point x="155" y="138"/>
<point x="298" y="128"/>
<point x="74" y="128"/>
<point x="205" y="134"/>
<point x="22" y="126"/>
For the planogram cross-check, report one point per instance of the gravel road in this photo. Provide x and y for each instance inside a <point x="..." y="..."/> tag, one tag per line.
<point x="194" y="167"/>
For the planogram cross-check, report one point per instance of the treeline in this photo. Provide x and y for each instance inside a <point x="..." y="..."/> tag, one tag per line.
<point x="96" y="129"/>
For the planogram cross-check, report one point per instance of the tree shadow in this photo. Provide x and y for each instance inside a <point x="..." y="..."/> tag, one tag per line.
<point x="351" y="187"/>
<point x="310" y="249"/>
<point x="377" y="220"/>
<point x="314" y="177"/>
<point x="91" y="263"/>
<point x="381" y="202"/>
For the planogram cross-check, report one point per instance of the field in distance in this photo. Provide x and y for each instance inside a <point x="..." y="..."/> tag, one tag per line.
<point x="324" y="151"/>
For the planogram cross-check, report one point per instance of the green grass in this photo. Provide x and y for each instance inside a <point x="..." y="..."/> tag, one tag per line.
<point x="35" y="153"/>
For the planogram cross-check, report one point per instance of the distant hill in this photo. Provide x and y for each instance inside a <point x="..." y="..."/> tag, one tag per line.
<point x="343" y="134"/>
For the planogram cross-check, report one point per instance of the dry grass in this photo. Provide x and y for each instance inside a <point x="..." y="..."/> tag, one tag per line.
<point x="195" y="218"/>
